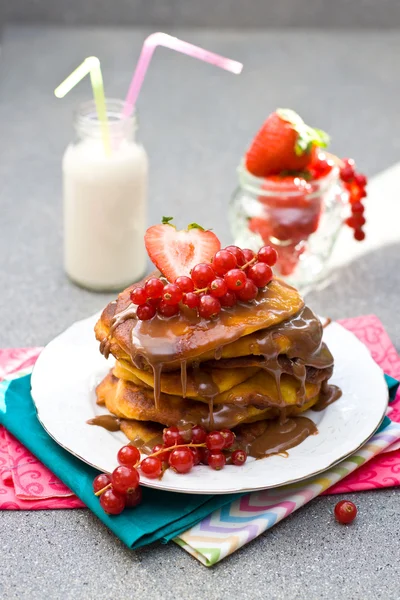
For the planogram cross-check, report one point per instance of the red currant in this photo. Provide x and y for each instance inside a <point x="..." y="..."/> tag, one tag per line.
<point x="128" y="456"/>
<point x="154" y="302"/>
<point x="154" y="288"/>
<point x="347" y="173"/>
<point x="172" y="294"/>
<point x="191" y="300"/>
<point x="202" y="275"/>
<point x="204" y="454"/>
<point x="223" y="261"/>
<point x="267" y="255"/>
<point x="209" y="307"/>
<point x="100" y="482"/>
<point x="199" y="434"/>
<point x="260" y="274"/>
<point x="228" y="300"/>
<point x="185" y="283"/>
<point x="361" y="221"/>
<point x="359" y="235"/>
<point x="196" y="455"/>
<point x="138" y="295"/>
<point x="124" y="479"/>
<point x="238" y="457"/>
<point x="144" y="312"/>
<point x="151" y="467"/>
<point x="133" y="498"/>
<point x="238" y="254"/>
<point x="357" y="207"/>
<point x="218" y="287"/>
<point x="345" y="512"/>
<point x="322" y="166"/>
<point x="355" y="221"/>
<point x="112" y="503"/>
<point x="248" y="292"/>
<point x="164" y="455"/>
<point x="248" y="254"/>
<point x="181" y="460"/>
<point x="229" y="438"/>
<point x="235" y="279"/>
<point x="216" y="460"/>
<point x="168" y="310"/>
<point x="215" y="441"/>
<point x="172" y="437"/>
<point x="360" y="179"/>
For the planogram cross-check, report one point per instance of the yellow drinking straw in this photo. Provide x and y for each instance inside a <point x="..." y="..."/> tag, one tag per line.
<point x="90" y="65"/>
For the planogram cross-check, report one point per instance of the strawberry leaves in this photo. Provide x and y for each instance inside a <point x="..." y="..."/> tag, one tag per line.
<point x="307" y="136"/>
<point x="195" y="226"/>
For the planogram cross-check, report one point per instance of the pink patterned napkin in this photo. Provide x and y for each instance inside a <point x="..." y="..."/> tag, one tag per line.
<point x="382" y="470"/>
<point x="27" y="484"/>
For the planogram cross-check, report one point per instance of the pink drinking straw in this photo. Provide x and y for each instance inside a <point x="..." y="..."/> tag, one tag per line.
<point x="168" y="41"/>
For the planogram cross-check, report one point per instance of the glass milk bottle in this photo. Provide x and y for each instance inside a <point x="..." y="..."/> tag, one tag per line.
<point x="105" y="197"/>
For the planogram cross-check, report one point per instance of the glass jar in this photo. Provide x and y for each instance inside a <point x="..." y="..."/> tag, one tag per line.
<point x="300" y="219"/>
<point x="104" y="198"/>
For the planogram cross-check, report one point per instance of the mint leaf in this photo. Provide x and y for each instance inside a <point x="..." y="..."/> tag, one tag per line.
<point x="166" y="221"/>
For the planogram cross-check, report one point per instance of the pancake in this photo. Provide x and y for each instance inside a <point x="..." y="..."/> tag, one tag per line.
<point x="171" y="382"/>
<point x="187" y="336"/>
<point x="256" y="363"/>
<point x="242" y="404"/>
<point x="143" y="434"/>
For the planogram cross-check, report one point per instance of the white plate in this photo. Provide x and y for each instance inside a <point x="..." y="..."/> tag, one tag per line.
<point x="70" y="367"/>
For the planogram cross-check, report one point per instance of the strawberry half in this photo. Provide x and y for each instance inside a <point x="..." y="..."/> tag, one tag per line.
<point x="175" y="253"/>
<point x="284" y="143"/>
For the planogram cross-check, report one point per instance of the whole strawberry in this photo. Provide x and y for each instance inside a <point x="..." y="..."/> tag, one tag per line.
<point x="284" y="143"/>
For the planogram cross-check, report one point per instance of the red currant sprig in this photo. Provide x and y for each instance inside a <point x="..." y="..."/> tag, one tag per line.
<point x="233" y="275"/>
<point x="355" y="184"/>
<point x="180" y="451"/>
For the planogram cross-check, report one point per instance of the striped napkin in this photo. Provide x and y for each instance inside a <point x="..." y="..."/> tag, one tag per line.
<point x="235" y="525"/>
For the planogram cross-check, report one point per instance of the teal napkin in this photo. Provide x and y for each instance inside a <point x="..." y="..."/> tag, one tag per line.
<point x="393" y="386"/>
<point x="161" y="516"/>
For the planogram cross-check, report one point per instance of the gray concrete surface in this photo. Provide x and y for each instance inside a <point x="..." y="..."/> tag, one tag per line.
<point x="206" y="13"/>
<point x="195" y="122"/>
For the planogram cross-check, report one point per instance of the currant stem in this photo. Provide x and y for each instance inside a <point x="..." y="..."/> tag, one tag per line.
<point x="170" y="448"/>
<point x="251" y="262"/>
<point x="100" y="492"/>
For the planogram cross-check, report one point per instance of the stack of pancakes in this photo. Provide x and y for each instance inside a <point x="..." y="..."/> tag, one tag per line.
<point x="255" y="362"/>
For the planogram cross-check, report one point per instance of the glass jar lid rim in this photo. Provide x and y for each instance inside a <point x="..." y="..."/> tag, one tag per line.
<point x="263" y="186"/>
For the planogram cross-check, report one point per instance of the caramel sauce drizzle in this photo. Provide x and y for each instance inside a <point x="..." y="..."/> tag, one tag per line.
<point x="157" y="344"/>
<point x="108" y="422"/>
<point x="184" y="377"/>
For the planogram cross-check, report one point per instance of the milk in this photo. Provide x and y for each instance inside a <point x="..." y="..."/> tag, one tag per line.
<point x="104" y="209"/>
